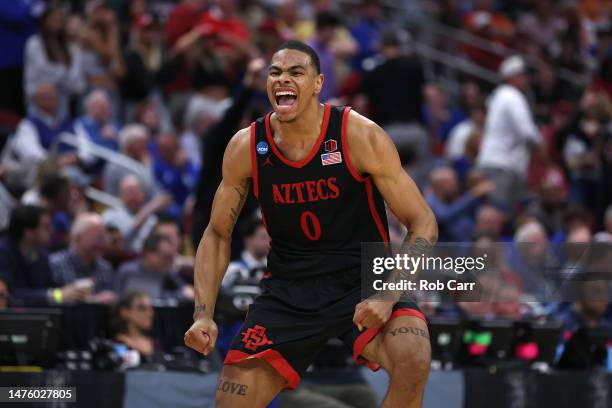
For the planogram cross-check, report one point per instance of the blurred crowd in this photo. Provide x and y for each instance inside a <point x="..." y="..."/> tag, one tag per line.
<point x="114" y="116"/>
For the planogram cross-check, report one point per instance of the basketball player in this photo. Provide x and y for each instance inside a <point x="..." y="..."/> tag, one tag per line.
<point x="320" y="174"/>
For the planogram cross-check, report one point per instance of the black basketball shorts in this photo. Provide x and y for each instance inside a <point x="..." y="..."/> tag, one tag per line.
<point x="292" y="320"/>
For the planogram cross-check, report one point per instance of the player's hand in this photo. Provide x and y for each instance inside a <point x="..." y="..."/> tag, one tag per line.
<point x="202" y="335"/>
<point x="372" y="314"/>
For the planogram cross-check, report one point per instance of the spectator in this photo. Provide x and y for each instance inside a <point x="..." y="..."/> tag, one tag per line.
<point x="439" y="116"/>
<point x="183" y="264"/>
<point x="490" y="220"/>
<point x="287" y="18"/>
<point x="454" y="212"/>
<point x="183" y="19"/>
<point x="133" y="323"/>
<point x="508" y="302"/>
<point x="18" y="24"/>
<point x="24" y="263"/>
<point x="36" y="137"/>
<point x="54" y="193"/>
<point x="549" y="205"/>
<point x="230" y="34"/>
<point x="509" y="134"/>
<point x="367" y="31"/>
<point x="51" y="58"/>
<point x="331" y="53"/>
<point x="135" y="218"/>
<point x="82" y="263"/>
<point x="152" y="272"/>
<point x="102" y="60"/>
<point x="174" y="172"/>
<point x="98" y="128"/>
<point x="460" y="135"/>
<point x="5" y="295"/>
<point x="251" y="266"/>
<point x="532" y="260"/>
<point x="582" y="144"/>
<point x="146" y="61"/>
<point x="542" y="24"/>
<point x="134" y="143"/>
<point x="587" y="313"/>
<point x="486" y="22"/>
<point x="394" y="88"/>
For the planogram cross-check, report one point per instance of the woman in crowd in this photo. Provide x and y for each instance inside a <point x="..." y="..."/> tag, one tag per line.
<point x="50" y="57"/>
<point x="133" y="322"/>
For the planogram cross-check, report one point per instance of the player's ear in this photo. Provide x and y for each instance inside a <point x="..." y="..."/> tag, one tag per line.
<point x="319" y="83"/>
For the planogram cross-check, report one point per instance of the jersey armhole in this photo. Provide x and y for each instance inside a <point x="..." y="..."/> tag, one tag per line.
<point x="254" y="162"/>
<point x="358" y="177"/>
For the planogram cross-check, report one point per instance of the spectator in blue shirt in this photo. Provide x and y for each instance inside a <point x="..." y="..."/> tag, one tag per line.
<point x="97" y="125"/>
<point x="367" y="32"/>
<point x="454" y="211"/>
<point x="17" y="22"/>
<point x="173" y="171"/>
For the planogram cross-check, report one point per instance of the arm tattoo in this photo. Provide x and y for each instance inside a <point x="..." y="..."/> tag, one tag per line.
<point x="242" y="195"/>
<point x="198" y="310"/>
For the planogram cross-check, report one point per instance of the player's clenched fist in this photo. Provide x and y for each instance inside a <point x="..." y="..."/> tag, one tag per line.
<point x="372" y="314"/>
<point x="202" y="335"/>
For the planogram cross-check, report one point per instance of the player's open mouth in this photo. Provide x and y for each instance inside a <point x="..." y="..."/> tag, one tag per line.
<point x="285" y="99"/>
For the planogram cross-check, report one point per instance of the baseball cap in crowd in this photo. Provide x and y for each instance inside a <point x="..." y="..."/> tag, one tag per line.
<point x="512" y="66"/>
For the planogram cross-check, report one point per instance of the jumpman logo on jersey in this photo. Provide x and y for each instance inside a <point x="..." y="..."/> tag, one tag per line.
<point x="268" y="162"/>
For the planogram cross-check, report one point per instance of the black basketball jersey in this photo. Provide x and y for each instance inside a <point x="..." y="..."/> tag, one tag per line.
<point x="319" y="210"/>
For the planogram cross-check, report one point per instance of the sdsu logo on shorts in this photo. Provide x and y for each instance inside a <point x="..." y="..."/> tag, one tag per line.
<point x="262" y="148"/>
<point x="255" y="337"/>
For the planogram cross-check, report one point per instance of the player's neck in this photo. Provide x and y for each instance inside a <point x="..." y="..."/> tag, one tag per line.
<point x="301" y="127"/>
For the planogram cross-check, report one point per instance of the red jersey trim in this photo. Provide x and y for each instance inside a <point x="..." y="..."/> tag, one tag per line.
<point x="344" y="139"/>
<point x="367" y="336"/>
<point x="315" y="148"/>
<point x="379" y="224"/>
<point x="272" y="357"/>
<point x="254" y="162"/>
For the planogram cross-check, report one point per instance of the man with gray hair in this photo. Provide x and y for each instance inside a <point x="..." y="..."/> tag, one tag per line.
<point x="509" y="134"/>
<point x="133" y="142"/>
<point x="97" y="123"/>
<point x="82" y="263"/>
<point x="135" y="217"/>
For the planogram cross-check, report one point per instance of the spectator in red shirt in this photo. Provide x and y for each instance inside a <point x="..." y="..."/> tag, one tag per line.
<point x="230" y="32"/>
<point x="183" y="18"/>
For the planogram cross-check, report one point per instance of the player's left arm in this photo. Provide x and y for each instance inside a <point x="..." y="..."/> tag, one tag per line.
<point x="373" y="153"/>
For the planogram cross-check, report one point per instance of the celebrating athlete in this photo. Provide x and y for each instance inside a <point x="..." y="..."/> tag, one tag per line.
<point x="322" y="175"/>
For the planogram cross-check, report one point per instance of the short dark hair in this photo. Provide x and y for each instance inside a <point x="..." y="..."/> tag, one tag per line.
<point x="153" y="242"/>
<point x="23" y="218"/>
<point x="327" y="19"/>
<point x="52" y="185"/>
<point x="249" y="225"/>
<point x="119" y="325"/>
<point x="302" y="47"/>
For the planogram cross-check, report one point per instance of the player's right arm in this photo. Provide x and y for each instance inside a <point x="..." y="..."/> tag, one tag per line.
<point x="212" y="256"/>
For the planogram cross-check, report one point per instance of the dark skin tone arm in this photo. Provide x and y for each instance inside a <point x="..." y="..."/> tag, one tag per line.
<point x="372" y="152"/>
<point x="212" y="256"/>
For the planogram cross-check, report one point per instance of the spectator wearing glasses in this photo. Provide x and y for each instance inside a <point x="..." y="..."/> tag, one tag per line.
<point x="133" y="322"/>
